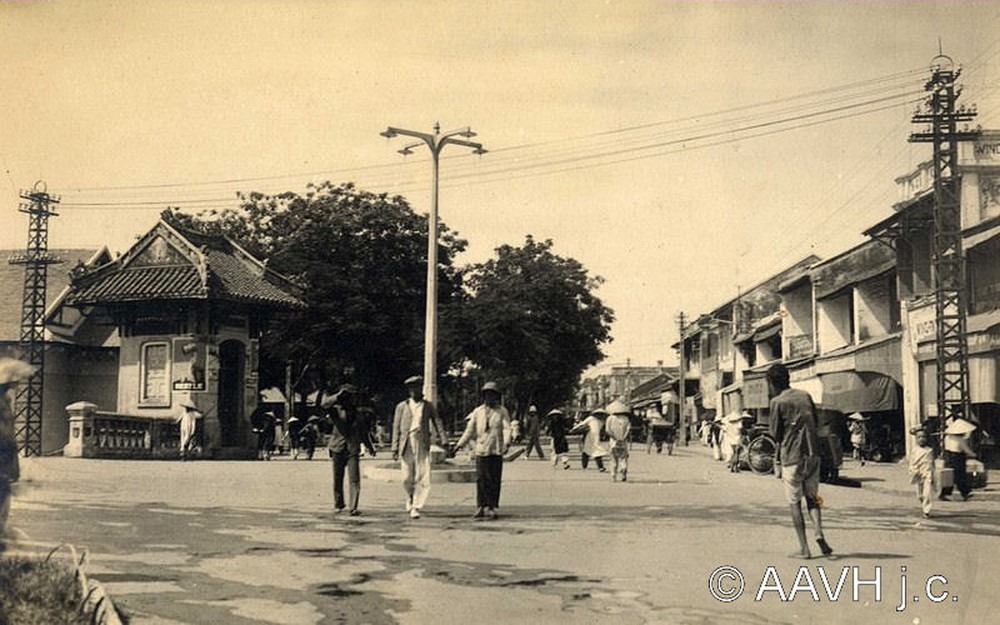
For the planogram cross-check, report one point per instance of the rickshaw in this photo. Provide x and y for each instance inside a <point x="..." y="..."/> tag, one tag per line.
<point x="661" y="432"/>
<point x="758" y="449"/>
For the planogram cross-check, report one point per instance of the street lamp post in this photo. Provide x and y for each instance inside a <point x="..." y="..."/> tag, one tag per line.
<point x="435" y="143"/>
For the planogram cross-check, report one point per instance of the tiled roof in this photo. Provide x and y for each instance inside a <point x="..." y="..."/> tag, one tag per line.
<point x="231" y="275"/>
<point x="12" y="285"/>
<point x="141" y="284"/>
<point x="231" y="278"/>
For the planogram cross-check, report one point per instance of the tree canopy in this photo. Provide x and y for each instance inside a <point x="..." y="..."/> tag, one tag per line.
<point x="534" y="322"/>
<point x="362" y="260"/>
<point x="527" y="318"/>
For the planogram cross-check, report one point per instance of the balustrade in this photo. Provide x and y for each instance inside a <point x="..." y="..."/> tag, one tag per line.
<point x="99" y="434"/>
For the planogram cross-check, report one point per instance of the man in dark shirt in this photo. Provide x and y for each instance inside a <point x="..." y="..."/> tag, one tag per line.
<point x="793" y="426"/>
<point x="350" y="431"/>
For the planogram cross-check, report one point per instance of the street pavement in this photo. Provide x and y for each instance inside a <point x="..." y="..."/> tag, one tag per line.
<point x="257" y="542"/>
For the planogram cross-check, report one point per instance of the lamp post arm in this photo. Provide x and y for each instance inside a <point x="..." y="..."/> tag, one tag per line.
<point x="392" y="131"/>
<point x="458" y="132"/>
<point x="478" y="147"/>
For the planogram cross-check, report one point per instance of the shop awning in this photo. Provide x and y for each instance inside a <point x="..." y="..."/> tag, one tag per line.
<point x="852" y="391"/>
<point x="984" y="382"/>
<point x="981" y="233"/>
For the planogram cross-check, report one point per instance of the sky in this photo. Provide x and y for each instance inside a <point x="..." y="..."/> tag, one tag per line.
<point x="682" y="151"/>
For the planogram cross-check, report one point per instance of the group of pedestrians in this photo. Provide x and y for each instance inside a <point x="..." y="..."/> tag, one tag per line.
<point x="957" y="450"/>
<point x="415" y="426"/>
<point x="489" y="432"/>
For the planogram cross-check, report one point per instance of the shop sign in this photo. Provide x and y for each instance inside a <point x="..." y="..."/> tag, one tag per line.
<point x="987" y="151"/>
<point x="923" y="325"/>
<point x="800" y="346"/>
<point x="188" y="371"/>
<point x="984" y="342"/>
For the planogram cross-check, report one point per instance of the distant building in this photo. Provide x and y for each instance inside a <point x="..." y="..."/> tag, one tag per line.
<point x="619" y="383"/>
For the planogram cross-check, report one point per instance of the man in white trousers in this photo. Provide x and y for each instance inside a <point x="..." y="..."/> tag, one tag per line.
<point x="414" y="423"/>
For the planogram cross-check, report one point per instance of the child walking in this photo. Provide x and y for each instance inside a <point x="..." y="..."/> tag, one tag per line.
<point x="922" y="470"/>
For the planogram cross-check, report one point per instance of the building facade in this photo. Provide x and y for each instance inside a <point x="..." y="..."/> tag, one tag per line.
<point x="910" y="231"/>
<point x="187" y="310"/>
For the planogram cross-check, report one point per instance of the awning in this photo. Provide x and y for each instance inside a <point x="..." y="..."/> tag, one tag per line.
<point x="857" y="265"/>
<point x="852" y="391"/>
<point x="983" y="382"/>
<point x="982" y="322"/>
<point x="881" y="355"/>
<point x="981" y="234"/>
<point x="765" y="333"/>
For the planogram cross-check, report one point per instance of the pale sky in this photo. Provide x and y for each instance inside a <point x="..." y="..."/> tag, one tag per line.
<point x="681" y="150"/>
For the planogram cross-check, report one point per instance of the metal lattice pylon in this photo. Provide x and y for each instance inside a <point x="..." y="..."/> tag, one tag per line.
<point x="36" y="260"/>
<point x="952" y="351"/>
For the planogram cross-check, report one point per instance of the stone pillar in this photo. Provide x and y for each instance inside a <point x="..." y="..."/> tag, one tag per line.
<point x="81" y="430"/>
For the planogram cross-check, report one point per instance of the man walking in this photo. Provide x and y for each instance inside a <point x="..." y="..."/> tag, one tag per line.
<point x="533" y="428"/>
<point x="413" y="423"/>
<point x="793" y="426"/>
<point x="350" y="431"/>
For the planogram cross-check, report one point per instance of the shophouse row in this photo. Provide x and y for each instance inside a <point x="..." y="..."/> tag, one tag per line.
<point x="857" y="331"/>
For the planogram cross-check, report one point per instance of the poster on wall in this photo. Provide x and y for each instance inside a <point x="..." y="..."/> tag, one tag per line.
<point x="252" y="358"/>
<point x="189" y="365"/>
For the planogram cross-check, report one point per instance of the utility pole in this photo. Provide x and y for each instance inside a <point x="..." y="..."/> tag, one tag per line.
<point x="681" y="421"/>
<point x="36" y="260"/>
<point x="435" y="143"/>
<point x="952" y="352"/>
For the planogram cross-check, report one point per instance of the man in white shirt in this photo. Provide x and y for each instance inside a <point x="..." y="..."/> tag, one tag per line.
<point x="412" y="425"/>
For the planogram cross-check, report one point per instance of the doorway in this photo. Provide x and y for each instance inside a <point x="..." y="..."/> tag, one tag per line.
<point x="231" y="359"/>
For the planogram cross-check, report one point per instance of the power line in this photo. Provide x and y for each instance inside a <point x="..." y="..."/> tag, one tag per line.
<point x="563" y="142"/>
<point x="588" y="158"/>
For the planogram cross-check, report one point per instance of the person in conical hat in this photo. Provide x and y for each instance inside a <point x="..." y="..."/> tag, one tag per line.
<point x="188" y="420"/>
<point x="488" y="428"/>
<point x="732" y="435"/>
<point x="859" y="435"/>
<point x="533" y="433"/>
<point x="592" y="428"/>
<point x="957" y="450"/>
<point x="618" y="426"/>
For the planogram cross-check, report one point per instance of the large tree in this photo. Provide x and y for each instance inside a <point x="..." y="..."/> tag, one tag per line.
<point x="362" y="260"/>
<point x="535" y="323"/>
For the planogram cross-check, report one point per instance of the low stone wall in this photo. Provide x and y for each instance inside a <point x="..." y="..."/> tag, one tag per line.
<point x="97" y="434"/>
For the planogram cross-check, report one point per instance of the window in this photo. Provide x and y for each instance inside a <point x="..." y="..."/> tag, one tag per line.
<point x="153" y="375"/>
